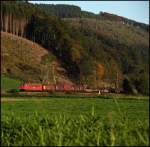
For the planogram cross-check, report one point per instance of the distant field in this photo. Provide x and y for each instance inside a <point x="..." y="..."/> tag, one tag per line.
<point x="134" y="109"/>
<point x="74" y="121"/>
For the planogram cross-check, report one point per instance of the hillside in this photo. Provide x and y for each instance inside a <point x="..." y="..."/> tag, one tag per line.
<point x="119" y="47"/>
<point x="102" y="50"/>
<point x="72" y="11"/>
<point x="26" y="60"/>
<point x="121" y="41"/>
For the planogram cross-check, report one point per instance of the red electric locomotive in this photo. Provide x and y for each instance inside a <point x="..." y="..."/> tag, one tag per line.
<point x="31" y="87"/>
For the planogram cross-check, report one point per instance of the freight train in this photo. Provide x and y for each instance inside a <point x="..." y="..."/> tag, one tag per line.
<point x="62" y="87"/>
<point x="51" y="87"/>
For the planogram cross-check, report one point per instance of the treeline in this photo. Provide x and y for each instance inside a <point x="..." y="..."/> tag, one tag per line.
<point x="66" y="11"/>
<point x="71" y="11"/>
<point x="63" y="11"/>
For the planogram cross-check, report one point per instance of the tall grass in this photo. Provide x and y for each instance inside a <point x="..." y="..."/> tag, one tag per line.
<point x="63" y="130"/>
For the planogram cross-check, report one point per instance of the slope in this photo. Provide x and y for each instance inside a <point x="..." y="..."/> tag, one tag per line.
<point x="117" y="46"/>
<point x="26" y="60"/>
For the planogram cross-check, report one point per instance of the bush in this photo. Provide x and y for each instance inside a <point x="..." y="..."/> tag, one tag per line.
<point x="14" y="91"/>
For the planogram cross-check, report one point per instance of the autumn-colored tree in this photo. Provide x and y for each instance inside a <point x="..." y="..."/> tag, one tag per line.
<point x="76" y="52"/>
<point x="98" y="74"/>
<point x="100" y="71"/>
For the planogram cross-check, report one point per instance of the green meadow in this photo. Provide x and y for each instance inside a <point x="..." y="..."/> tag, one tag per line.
<point x="8" y="83"/>
<point x="59" y="121"/>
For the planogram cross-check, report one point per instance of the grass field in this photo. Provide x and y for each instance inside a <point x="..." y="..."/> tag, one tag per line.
<point x="74" y="121"/>
<point x="8" y="83"/>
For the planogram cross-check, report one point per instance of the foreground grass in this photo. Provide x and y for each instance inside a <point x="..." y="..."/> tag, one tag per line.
<point x="75" y="122"/>
<point x="61" y="130"/>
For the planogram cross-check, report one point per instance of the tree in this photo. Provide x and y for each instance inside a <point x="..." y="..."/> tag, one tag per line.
<point x="87" y="67"/>
<point x="49" y="69"/>
<point x="142" y="84"/>
<point x="100" y="71"/>
<point x="76" y="52"/>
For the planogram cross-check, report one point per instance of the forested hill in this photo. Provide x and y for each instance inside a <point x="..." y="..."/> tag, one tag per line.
<point x="97" y="50"/>
<point x="71" y="11"/>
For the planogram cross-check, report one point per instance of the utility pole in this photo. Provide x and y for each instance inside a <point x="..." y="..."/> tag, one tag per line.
<point x="48" y="75"/>
<point x="44" y="74"/>
<point x="96" y="84"/>
<point x="117" y="82"/>
<point x="53" y="73"/>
